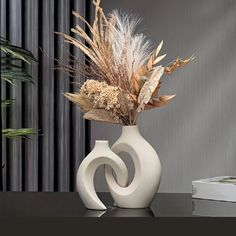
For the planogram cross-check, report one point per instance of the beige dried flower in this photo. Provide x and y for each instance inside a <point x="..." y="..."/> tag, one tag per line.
<point x="92" y="88"/>
<point x="108" y="98"/>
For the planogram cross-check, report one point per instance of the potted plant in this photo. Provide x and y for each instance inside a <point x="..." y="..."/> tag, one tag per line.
<point x="12" y="70"/>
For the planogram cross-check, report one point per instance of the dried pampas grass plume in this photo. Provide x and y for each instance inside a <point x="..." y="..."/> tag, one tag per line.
<point x="128" y="45"/>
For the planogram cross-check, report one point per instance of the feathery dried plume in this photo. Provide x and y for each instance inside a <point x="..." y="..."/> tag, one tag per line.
<point x="128" y="45"/>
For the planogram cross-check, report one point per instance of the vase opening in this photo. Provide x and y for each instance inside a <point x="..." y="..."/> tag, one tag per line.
<point x="101" y="143"/>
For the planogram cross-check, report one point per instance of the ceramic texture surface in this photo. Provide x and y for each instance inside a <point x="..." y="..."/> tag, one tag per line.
<point x="141" y="191"/>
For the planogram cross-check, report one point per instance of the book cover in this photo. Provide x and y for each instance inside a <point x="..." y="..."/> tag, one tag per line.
<point x="221" y="188"/>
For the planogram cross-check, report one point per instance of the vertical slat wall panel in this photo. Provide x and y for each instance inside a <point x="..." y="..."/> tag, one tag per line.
<point x="3" y="95"/>
<point x="47" y="99"/>
<point x="63" y="111"/>
<point x="15" y="159"/>
<point x="77" y="124"/>
<point x="47" y="162"/>
<point x="31" y="95"/>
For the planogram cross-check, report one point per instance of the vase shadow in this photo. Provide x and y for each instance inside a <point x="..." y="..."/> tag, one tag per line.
<point x="120" y="212"/>
<point x="93" y="213"/>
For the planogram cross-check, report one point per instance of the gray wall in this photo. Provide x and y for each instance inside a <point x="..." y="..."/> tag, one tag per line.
<point x="195" y="136"/>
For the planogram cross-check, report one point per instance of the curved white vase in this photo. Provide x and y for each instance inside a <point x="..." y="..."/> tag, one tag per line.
<point x="100" y="155"/>
<point x="141" y="191"/>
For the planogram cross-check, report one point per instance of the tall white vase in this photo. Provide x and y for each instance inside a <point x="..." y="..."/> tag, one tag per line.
<point x="142" y="189"/>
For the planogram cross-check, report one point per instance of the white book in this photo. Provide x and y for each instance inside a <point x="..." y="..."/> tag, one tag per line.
<point x="210" y="208"/>
<point x="221" y="188"/>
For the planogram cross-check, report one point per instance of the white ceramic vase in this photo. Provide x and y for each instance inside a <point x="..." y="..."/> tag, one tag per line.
<point x="142" y="189"/>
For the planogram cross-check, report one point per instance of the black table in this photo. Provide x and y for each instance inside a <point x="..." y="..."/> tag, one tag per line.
<point x="59" y="205"/>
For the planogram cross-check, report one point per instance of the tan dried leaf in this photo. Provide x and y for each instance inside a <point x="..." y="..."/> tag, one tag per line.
<point x="149" y="87"/>
<point x="167" y="98"/>
<point x="149" y="107"/>
<point x="100" y="115"/>
<point x="159" y="48"/>
<point x="154" y="104"/>
<point x="153" y="60"/>
<point x="160" y="102"/>
<point x="81" y="100"/>
<point x="150" y="62"/>
<point x="158" y="59"/>
<point x="177" y="63"/>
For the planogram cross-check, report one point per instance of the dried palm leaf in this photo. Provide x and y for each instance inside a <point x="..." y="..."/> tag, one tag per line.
<point x="81" y="100"/>
<point x="149" y="87"/>
<point x="100" y="115"/>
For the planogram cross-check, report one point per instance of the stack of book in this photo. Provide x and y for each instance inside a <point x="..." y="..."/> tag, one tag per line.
<point x="221" y="188"/>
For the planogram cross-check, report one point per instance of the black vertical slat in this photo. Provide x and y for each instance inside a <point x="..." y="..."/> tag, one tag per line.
<point x="3" y="96"/>
<point x="77" y="121"/>
<point x="62" y="104"/>
<point x="57" y="105"/>
<point x="31" y="96"/>
<point x="23" y="101"/>
<point x="7" y="112"/>
<point x="87" y="135"/>
<point x="15" y="14"/>
<point x="2" y="18"/>
<point x="40" y="123"/>
<point x="47" y="100"/>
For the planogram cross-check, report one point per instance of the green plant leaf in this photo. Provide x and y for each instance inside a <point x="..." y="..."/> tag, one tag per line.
<point x="11" y="75"/>
<point x="6" y="103"/>
<point x="11" y="66"/>
<point x="11" y="72"/>
<point x="18" y="52"/>
<point x="4" y="59"/>
<point x="13" y="133"/>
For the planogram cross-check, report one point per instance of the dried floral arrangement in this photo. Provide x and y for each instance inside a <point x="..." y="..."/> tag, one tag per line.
<point x="123" y="77"/>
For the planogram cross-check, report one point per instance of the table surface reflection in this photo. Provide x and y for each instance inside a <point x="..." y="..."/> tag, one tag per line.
<point x="30" y="204"/>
